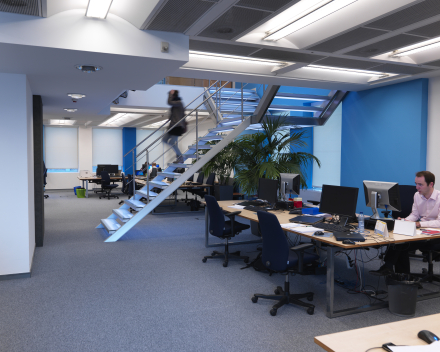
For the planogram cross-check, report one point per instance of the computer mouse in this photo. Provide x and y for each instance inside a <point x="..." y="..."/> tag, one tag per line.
<point x="348" y="242"/>
<point x="318" y="233"/>
<point x="427" y="336"/>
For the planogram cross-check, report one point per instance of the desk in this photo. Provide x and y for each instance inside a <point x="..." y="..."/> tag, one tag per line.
<point x="400" y="333"/>
<point x="86" y="180"/>
<point x="333" y="247"/>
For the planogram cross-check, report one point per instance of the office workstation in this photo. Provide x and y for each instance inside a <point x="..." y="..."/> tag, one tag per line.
<point x="89" y="94"/>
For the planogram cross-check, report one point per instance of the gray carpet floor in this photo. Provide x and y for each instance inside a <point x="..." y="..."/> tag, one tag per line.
<point x="150" y="291"/>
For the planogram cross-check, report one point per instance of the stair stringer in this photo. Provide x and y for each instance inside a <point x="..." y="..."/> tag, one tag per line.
<point x="178" y="182"/>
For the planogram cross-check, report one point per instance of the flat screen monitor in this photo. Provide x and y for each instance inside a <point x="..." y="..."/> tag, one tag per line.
<point x="290" y="183"/>
<point x="139" y="173"/>
<point x="268" y="190"/>
<point x="102" y="167"/>
<point x="382" y="195"/>
<point x="339" y="200"/>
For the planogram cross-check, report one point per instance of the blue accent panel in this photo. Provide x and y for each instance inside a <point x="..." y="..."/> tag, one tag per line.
<point x="384" y="135"/>
<point x="128" y="143"/>
<point x="308" y="138"/>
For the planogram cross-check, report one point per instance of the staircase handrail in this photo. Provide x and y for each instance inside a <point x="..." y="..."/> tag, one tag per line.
<point x="183" y="118"/>
<point x="137" y="145"/>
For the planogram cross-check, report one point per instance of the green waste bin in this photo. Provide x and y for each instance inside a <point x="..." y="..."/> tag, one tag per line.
<point x="81" y="192"/>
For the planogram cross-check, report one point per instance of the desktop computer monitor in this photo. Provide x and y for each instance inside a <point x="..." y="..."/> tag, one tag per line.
<point x="382" y="195"/>
<point x="290" y="183"/>
<point x="112" y="169"/>
<point x="339" y="200"/>
<point x="267" y="190"/>
<point x="139" y="173"/>
<point x="102" y="167"/>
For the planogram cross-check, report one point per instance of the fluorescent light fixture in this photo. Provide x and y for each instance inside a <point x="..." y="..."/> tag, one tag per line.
<point x="154" y="124"/>
<point x="62" y="122"/>
<point x="241" y="59"/>
<point x="312" y="14"/>
<point x="346" y="70"/>
<point x="139" y="111"/>
<point x="120" y="119"/>
<point x="412" y="49"/>
<point x="299" y="98"/>
<point x="98" y="8"/>
<point x="70" y="110"/>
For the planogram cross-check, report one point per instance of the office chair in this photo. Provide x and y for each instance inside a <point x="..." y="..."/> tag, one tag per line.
<point x="278" y="257"/>
<point x="406" y="201"/>
<point x="124" y="187"/>
<point x="220" y="228"/>
<point x="153" y="172"/>
<point x="429" y="256"/>
<point x="45" y="180"/>
<point x="201" y="191"/>
<point x="106" y="186"/>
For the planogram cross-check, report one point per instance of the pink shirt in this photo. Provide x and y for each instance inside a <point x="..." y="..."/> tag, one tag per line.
<point x="426" y="210"/>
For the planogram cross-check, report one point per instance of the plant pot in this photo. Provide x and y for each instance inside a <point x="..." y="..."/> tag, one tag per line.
<point x="224" y="192"/>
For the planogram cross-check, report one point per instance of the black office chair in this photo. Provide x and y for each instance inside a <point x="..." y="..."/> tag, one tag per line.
<point x="278" y="257"/>
<point x="200" y="178"/>
<point x="429" y="256"/>
<point x="406" y="201"/>
<point x="45" y="180"/>
<point x="153" y="172"/>
<point x="201" y="191"/>
<point x="106" y="186"/>
<point x="220" y="228"/>
<point x="124" y="187"/>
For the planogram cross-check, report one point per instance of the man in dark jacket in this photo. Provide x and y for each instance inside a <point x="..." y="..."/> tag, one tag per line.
<point x="177" y="112"/>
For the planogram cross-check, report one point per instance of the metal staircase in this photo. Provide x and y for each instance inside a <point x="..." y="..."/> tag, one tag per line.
<point x="234" y="111"/>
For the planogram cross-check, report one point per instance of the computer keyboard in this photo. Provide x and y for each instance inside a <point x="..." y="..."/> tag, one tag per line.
<point x="252" y="203"/>
<point x="331" y="227"/>
<point x="255" y="208"/>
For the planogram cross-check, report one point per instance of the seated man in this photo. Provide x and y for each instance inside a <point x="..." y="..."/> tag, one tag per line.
<point x="425" y="212"/>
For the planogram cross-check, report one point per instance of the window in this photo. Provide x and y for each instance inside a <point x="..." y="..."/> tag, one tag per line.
<point x="107" y="147"/>
<point x="61" y="149"/>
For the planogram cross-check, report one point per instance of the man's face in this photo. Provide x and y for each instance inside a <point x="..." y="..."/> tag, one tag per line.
<point x="422" y="187"/>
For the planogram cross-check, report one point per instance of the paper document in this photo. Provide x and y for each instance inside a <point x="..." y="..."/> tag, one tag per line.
<point x="307" y="229"/>
<point x="290" y="225"/>
<point x="435" y="346"/>
<point x="236" y="206"/>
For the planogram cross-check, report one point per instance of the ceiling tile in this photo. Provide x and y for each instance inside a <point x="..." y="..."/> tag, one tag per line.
<point x="433" y="63"/>
<point x="272" y="5"/>
<point x="401" y="69"/>
<point x="431" y="30"/>
<point x="408" y="16"/>
<point x="345" y="40"/>
<point x="233" y="22"/>
<point x="179" y="15"/>
<point x="346" y="63"/>
<point x="24" y="7"/>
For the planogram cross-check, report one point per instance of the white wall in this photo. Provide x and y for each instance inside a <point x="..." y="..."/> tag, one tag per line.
<point x="17" y="237"/>
<point x="433" y="142"/>
<point x="327" y="148"/>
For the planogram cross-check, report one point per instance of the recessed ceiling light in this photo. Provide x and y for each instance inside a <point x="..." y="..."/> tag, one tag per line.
<point x="62" y="122"/>
<point x="312" y="14"/>
<point x="88" y="68"/>
<point x="120" y="119"/>
<point x="242" y="59"/>
<point x="98" y="8"/>
<point x="347" y="70"/>
<point x="76" y="96"/>
<point x="412" y="49"/>
<point x="70" y="110"/>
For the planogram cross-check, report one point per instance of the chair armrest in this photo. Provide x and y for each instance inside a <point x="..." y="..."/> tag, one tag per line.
<point x="302" y="247"/>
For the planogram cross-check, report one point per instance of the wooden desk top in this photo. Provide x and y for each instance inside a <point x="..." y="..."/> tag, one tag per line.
<point x="98" y="178"/>
<point x="400" y="333"/>
<point x="284" y="216"/>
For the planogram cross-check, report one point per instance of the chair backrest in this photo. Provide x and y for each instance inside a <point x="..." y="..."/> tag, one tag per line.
<point x="105" y="179"/>
<point x="275" y="246"/>
<point x="153" y="172"/>
<point x="211" y="179"/>
<point x="216" y="217"/>
<point x="130" y="184"/>
<point x="406" y="200"/>
<point x="191" y="178"/>
<point x="200" y="177"/>
<point x="124" y="182"/>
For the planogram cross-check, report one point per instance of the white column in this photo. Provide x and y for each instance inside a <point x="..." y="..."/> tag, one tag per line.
<point x="433" y="142"/>
<point x="17" y="237"/>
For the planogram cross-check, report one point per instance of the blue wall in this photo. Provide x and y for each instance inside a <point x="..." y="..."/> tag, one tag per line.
<point x="308" y="138"/>
<point x="384" y="132"/>
<point x="128" y="143"/>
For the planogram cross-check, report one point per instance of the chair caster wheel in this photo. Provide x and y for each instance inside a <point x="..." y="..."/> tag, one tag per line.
<point x="310" y="298"/>
<point x="276" y="291"/>
<point x="213" y="253"/>
<point x="254" y="299"/>
<point x="246" y="260"/>
<point x="310" y="311"/>
<point x="225" y="264"/>
<point x="204" y="260"/>
<point x="99" y="197"/>
<point x="273" y="312"/>
<point x="424" y="271"/>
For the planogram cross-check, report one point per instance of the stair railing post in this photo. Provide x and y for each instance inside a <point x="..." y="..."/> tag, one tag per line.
<point x="242" y="101"/>
<point x="134" y="176"/>
<point x="197" y="135"/>
<point x="148" y="178"/>
<point x="216" y="105"/>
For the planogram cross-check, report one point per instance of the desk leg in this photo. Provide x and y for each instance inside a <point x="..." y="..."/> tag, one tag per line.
<point x="206" y="227"/>
<point x="330" y="289"/>
<point x="87" y="188"/>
